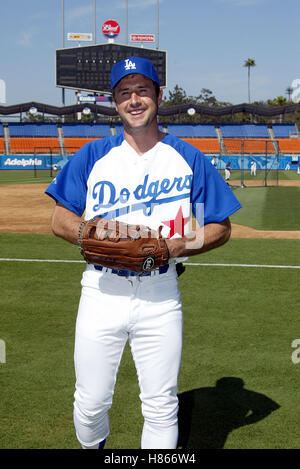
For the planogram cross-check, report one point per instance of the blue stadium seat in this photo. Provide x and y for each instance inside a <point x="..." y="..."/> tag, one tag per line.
<point x="1" y="129"/>
<point x="284" y="130"/>
<point x="86" y="130"/>
<point x="205" y="130"/>
<point x="181" y="130"/>
<point x="28" y="129"/>
<point x="244" y="130"/>
<point x="118" y="128"/>
<point x="192" y="130"/>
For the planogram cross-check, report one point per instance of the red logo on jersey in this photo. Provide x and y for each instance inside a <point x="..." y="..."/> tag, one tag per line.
<point x="177" y="225"/>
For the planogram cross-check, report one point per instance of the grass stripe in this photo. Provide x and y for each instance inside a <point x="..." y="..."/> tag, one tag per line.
<point x="39" y="260"/>
<point x="268" y="208"/>
<point x="185" y="263"/>
<point x="245" y="265"/>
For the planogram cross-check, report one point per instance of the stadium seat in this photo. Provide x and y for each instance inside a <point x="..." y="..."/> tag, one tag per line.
<point x="73" y="144"/>
<point x="86" y="130"/>
<point x="248" y="146"/>
<point x="118" y="128"/>
<point x="284" y="130"/>
<point x="192" y="130"/>
<point x="28" y="129"/>
<point x="244" y="130"/>
<point x="289" y="145"/>
<point x="34" y="144"/>
<point x="2" y="147"/>
<point x="206" y="145"/>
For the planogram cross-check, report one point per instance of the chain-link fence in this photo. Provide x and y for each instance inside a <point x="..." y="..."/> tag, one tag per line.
<point x="252" y="162"/>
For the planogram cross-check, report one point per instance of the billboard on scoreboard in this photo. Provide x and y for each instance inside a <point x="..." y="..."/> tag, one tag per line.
<point x="87" y="68"/>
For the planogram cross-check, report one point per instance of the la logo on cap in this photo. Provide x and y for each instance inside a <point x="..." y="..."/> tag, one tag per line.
<point x="129" y="65"/>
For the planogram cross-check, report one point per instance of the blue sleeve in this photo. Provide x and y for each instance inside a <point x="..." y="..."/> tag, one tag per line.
<point x="70" y="185"/>
<point x="209" y="189"/>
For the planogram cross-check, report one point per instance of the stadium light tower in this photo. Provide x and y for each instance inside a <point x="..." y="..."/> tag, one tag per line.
<point x="2" y="91"/>
<point x="157" y="24"/>
<point x="95" y="8"/>
<point x="126" y="21"/>
<point x="63" y="42"/>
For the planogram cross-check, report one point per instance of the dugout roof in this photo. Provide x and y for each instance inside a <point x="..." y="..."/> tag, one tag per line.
<point x="163" y="111"/>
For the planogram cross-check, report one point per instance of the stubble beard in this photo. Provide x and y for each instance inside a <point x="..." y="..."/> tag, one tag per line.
<point x="138" y="129"/>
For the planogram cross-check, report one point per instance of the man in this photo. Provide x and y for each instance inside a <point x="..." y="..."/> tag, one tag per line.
<point x="227" y="171"/>
<point x="253" y="168"/>
<point x="214" y="161"/>
<point x="144" y="177"/>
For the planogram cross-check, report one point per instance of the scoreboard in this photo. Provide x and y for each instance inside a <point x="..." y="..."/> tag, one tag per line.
<point x="88" y="68"/>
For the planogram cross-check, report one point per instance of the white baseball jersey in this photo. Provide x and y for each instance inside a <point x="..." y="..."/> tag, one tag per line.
<point x="164" y="186"/>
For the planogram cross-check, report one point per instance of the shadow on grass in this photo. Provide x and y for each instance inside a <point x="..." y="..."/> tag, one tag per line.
<point x="208" y="415"/>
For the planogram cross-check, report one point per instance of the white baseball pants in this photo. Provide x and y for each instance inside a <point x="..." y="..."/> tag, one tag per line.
<point x="147" y="312"/>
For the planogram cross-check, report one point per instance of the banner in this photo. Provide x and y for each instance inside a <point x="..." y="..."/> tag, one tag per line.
<point x="33" y="161"/>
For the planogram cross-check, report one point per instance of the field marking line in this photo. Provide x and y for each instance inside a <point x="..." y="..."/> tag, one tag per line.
<point x="245" y="265"/>
<point x="185" y="263"/>
<point x="39" y="260"/>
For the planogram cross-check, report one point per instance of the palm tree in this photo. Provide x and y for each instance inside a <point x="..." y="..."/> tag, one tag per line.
<point x="249" y="63"/>
<point x="289" y="91"/>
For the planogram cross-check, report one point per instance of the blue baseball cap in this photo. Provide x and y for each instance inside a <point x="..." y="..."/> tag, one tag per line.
<point x="133" y="65"/>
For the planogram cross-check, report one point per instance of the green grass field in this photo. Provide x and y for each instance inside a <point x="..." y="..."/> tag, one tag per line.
<point x="239" y="322"/>
<point x="24" y="177"/>
<point x="269" y="208"/>
<point x="272" y="174"/>
<point x="238" y="387"/>
<point x="43" y="176"/>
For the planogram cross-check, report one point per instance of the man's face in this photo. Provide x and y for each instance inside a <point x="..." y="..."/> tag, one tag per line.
<point x="136" y="102"/>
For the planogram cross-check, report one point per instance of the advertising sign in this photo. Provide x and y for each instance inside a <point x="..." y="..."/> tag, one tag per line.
<point x="80" y="37"/>
<point x="142" y="38"/>
<point x="111" y="29"/>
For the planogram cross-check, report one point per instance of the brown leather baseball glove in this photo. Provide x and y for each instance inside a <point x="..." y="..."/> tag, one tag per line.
<point x="120" y="246"/>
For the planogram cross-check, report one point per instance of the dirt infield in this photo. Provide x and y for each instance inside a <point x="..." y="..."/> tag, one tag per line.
<point x="281" y="182"/>
<point x="26" y="209"/>
<point x="261" y="183"/>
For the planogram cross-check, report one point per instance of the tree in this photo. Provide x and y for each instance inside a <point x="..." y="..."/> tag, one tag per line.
<point x="249" y="63"/>
<point x="177" y="96"/>
<point x="289" y="91"/>
<point x="37" y="118"/>
<point x="279" y="101"/>
<point x="207" y="98"/>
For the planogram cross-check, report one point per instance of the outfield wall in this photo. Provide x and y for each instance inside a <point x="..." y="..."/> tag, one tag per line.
<point x="33" y="162"/>
<point x="237" y="162"/>
<point x="263" y="162"/>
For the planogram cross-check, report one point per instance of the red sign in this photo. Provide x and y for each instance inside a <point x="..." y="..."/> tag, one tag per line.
<point x="111" y="29"/>
<point x="142" y="38"/>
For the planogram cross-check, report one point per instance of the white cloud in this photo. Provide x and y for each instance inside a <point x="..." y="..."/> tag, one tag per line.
<point x="79" y="12"/>
<point x="25" y="39"/>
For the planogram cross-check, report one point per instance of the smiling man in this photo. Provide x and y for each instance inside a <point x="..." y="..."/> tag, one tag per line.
<point x="137" y="103"/>
<point x="139" y="177"/>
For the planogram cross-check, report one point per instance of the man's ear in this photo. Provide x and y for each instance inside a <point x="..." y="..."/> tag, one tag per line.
<point x="114" y="103"/>
<point x="160" y="96"/>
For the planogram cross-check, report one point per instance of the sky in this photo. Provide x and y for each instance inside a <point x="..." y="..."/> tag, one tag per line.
<point x="207" y="43"/>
